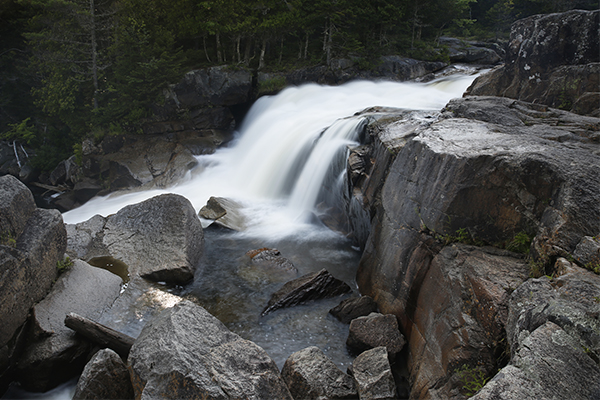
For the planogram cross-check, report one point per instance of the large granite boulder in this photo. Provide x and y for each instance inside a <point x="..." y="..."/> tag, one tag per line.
<point x="105" y="377"/>
<point x="462" y="51"/>
<point x="551" y="59"/>
<point x="160" y="239"/>
<point x="32" y="242"/>
<point x="187" y="353"/>
<point x="488" y="170"/>
<point x="55" y="353"/>
<point x="310" y="374"/>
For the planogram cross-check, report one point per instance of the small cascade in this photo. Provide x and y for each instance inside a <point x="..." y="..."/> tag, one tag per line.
<point x="289" y="153"/>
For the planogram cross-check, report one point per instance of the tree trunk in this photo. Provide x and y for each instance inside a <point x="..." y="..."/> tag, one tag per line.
<point x="328" y="41"/>
<point x="100" y="334"/>
<point x="281" y="50"/>
<point x="247" y="50"/>
<point x="205" y="49"/>
<point x="263" y="50"/>
<point x="219" y="53"/>
<point x="94" y="54"/>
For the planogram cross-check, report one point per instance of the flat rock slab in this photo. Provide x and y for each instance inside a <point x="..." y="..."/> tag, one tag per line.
<point x="311" y="375"/>
<point x="315" y="286"/>
<point x="187" y="353"/>
<point x="56" y="353"/>
<point x="352" y="308"/>
<point x="375" y="330"/>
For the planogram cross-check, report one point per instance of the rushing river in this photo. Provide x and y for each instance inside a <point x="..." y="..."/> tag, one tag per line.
<point x="275" y="168"/>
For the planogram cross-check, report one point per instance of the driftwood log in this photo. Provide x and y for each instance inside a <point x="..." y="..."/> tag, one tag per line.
<point x="100" y="334"/>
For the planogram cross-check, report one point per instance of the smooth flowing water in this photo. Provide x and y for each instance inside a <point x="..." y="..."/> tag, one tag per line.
<point x="275" y="168"/>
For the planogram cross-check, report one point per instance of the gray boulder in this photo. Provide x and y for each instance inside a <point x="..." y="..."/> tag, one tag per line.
<point x="54" y="353"/>
<point x="587" y="251"/>
<point x="569" y="301"/>
<point x="310" y="374"/>
<point x="375" y="330"/>
<point x="160" y="239"/>
<point x="372" y="373"/>
<point x="552" y="59"/>
<point x="187" y="353"/>
<point x="472" y="52"/>
<point x="105" y="377"/>
<point x="352" y="308"/>
<point x="315" y="286"/>
<point x="549" y="364"/>
<point x="492" y="169"/>
<point x="215" y="86"/>
<point x="16" y="206"/>
<point x="33" y="241"/>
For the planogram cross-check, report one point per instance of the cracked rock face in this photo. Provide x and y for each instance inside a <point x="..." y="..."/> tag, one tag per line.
<point x="552" y="59"/>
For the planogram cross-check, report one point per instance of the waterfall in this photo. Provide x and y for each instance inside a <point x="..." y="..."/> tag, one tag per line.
<point x="285" y="149"/>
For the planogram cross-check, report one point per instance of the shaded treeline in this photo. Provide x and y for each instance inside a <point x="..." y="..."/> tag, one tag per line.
<point x="71" y="68"/>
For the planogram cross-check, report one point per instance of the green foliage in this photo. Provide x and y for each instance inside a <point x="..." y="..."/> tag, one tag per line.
<point x="8" y="239"/>
<point x="520" y="243"/>
<point x="272" y="85"/>
<point x="63" y="265"/>
<point x="462" y="235"/>
<point x="472" y="379"/>
<point x="593" y="266"/>
<point x="21" y="132"/>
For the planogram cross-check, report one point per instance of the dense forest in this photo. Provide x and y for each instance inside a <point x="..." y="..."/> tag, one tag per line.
<point x="71" y="68"/>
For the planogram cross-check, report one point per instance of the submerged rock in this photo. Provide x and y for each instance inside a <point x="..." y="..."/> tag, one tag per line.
<point x="310" y="374"/>
<point x="187" y="353"/>
<point x="105" y="377"/>
<point x="315" y="286"/>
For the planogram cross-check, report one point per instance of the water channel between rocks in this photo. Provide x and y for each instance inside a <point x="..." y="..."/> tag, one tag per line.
<point x="270" y="171"/>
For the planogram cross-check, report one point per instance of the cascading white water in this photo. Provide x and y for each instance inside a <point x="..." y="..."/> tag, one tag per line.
<point x="283" y="150"/>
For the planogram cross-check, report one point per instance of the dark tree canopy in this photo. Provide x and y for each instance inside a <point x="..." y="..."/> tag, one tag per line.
<point x="69" y="68"/>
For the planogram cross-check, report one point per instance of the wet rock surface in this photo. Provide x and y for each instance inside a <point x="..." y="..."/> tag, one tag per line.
<point x="315" y="286"/>
<point x="105" y="377"/>
<point x="224" y="212"/>
<point x="310" y="374"/>
<point x="223" y="365"/>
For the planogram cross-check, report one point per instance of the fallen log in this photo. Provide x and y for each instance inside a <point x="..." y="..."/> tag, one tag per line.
<point x="100" y="334"/>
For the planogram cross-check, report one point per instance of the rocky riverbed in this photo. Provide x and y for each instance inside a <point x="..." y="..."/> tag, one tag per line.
<point x="480" y="231"/>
